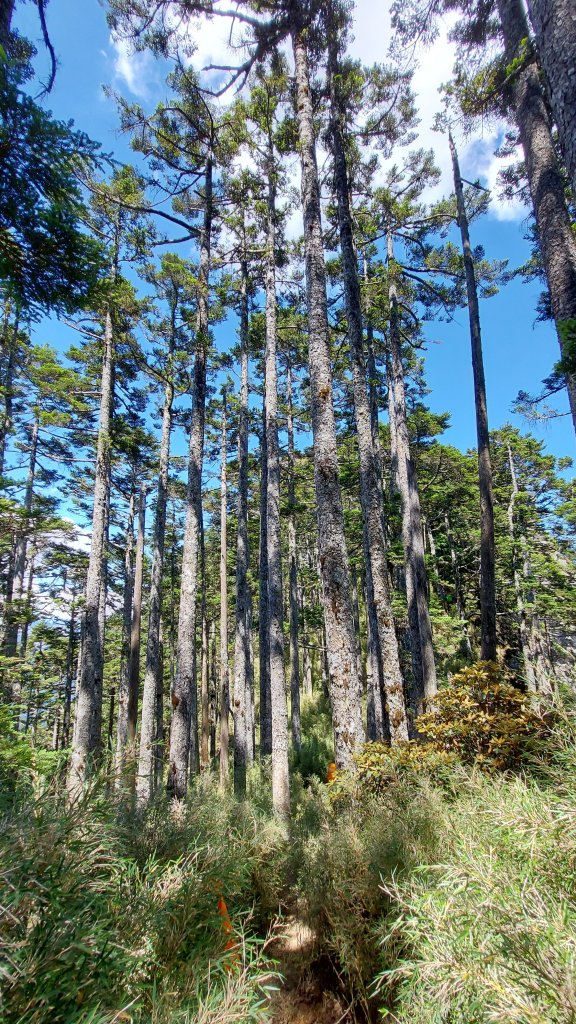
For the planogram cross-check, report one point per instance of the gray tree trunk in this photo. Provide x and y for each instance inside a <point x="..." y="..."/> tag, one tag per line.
<point x="123" y="688"/>
<point x="487" y="550"/>
<point x="242" y="635"/>
<point x="135" y="628"/>
<point x="263" y="628"/>
<point x="278" y="708"/>
<point x="69" y="674"/>
<point x="557" y="240"/>
<point x="204" y="662"/>
<point x="293" y="574"/>
<point x="89" y="698"/>
<point x="14" y="607"/>
<point x="184" y="699"/>
<point x="377" y="588"/>
<point x="412" y="537"/>
<point x="224" y="668"/>
<point x="554" y="23"/>
<point x="334" y="567"/>
<point x="153" y="670"/>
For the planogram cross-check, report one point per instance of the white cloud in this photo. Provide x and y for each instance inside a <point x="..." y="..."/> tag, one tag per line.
<point x="136" y="70"/>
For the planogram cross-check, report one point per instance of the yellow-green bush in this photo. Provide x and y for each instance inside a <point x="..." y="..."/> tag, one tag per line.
<point x="482" y="719"/>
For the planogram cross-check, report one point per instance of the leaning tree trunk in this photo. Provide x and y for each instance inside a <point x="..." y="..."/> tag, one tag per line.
<point x="89" y="699"/>
<point x="242" y="636"/>
<point x="293" y="575"/>
<point x="557" y="240"/>
<point x="278" y="709"/>
<point x="334" y="567"/>
<point x="263" y="630"/>
<point x="184" y="731"/>
<point x="224" y="669"/>
<point x="153" y="670"/>
<point x="487" y="551"/>
<point x="412" y="537"/>
<point x="377" y="586"/>
<point x="554" y="23"/>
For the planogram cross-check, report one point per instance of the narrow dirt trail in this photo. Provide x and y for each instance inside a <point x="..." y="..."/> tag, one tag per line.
<point x="302" y="999"/>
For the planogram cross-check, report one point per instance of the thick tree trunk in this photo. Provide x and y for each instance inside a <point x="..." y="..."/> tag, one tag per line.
<point x="263" y="627"/>
<point x="334" y="567"/>
<point x="557" y="240"/>
<point x="487" y="551"/>
<point x="224" y="668"/>
<point x="242" y="636"/>
<point x="377" y="588"/>
<point x="412" y="537"/>
<point x="293" y="574"/>
<point x="123" y="688"/>
<point x="184" y="729"/>
<point x="89" y="699"/>
<point x="554" y="23"/>
<point x="153" y="670"/>
<point x="278" y="709"/>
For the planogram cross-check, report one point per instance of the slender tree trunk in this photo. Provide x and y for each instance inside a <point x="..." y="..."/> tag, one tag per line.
<point x="412" y="537"/>
<point x="242" y="635"/>
<point x="293" y="575"/>
<point x="224" y="668"/>
<point x="213" y="692"/>
<point x="10" y="342"/>
<point x="13" y="607"/>
<point x="279" y="711"/>
<point x="557" y="240"/>
<point x="153" y="670"/>
<point x="377" y="587"/>
<point x="554" y="23"/>
<point x="135" y="628"/>
<point x="123" y="688"/>
<point x="458" y="589"/>
<point x="250" y="719"/>
<point x="158" y="757"/>
<point x="89" y="700"/>
<point x="69" y="674"/>
<point x="263" y="627"/>
<point x="204" y="662"/>
<point x="523" y="628"/>
<point x="487" y="551"/>
<point x="184" y="699"/>
<point x="334" y="567"/>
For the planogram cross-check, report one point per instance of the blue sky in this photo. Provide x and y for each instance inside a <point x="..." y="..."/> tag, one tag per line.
<point x="518" y="352"/>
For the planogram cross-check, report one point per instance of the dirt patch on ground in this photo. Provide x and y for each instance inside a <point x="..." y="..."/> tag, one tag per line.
<point x="304" y="997"/>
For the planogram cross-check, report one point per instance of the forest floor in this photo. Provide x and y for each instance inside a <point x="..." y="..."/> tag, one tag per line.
<point x="305" y="996"/>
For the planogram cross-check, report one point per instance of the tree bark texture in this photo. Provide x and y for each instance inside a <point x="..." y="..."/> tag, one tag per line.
<point x="487" y="549"/>
<point x="412" y="537"/>
<point x="89" y="698"/>
<point x="557" y="240"/>
<point x="554" y="24"/>
<point x="123" y="688"/>
<point x="263" y="628"/>
<point x="184" y="702"/>
<point x="224" y="667"/>
<point x="278" y="708"/>
<point x="333" y="556"/>
<point x="242" y="634"/>
<point x="153" y="670"/>
<point x="293" y="574"/>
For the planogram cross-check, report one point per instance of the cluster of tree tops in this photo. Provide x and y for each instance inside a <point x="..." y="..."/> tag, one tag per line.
<point x="369" y="563"/>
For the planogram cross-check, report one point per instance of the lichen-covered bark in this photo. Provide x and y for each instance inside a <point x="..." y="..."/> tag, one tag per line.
<point x="86" y="740"/>
<point x="152" y="672"/>
<point x="557" y="240"/>
<point x="412" y="538"/>
<point x="487" y="549"/>
<point x="263" y="630"/>
<point x="242" y="635"/>
<point x="278" y="709"/>
<point x="333" y="557"/>
<point x="293" y="574"/>
<point x="224" y="669"/>
<point x="183" y="730"/>
<point x="554" y="23"/>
